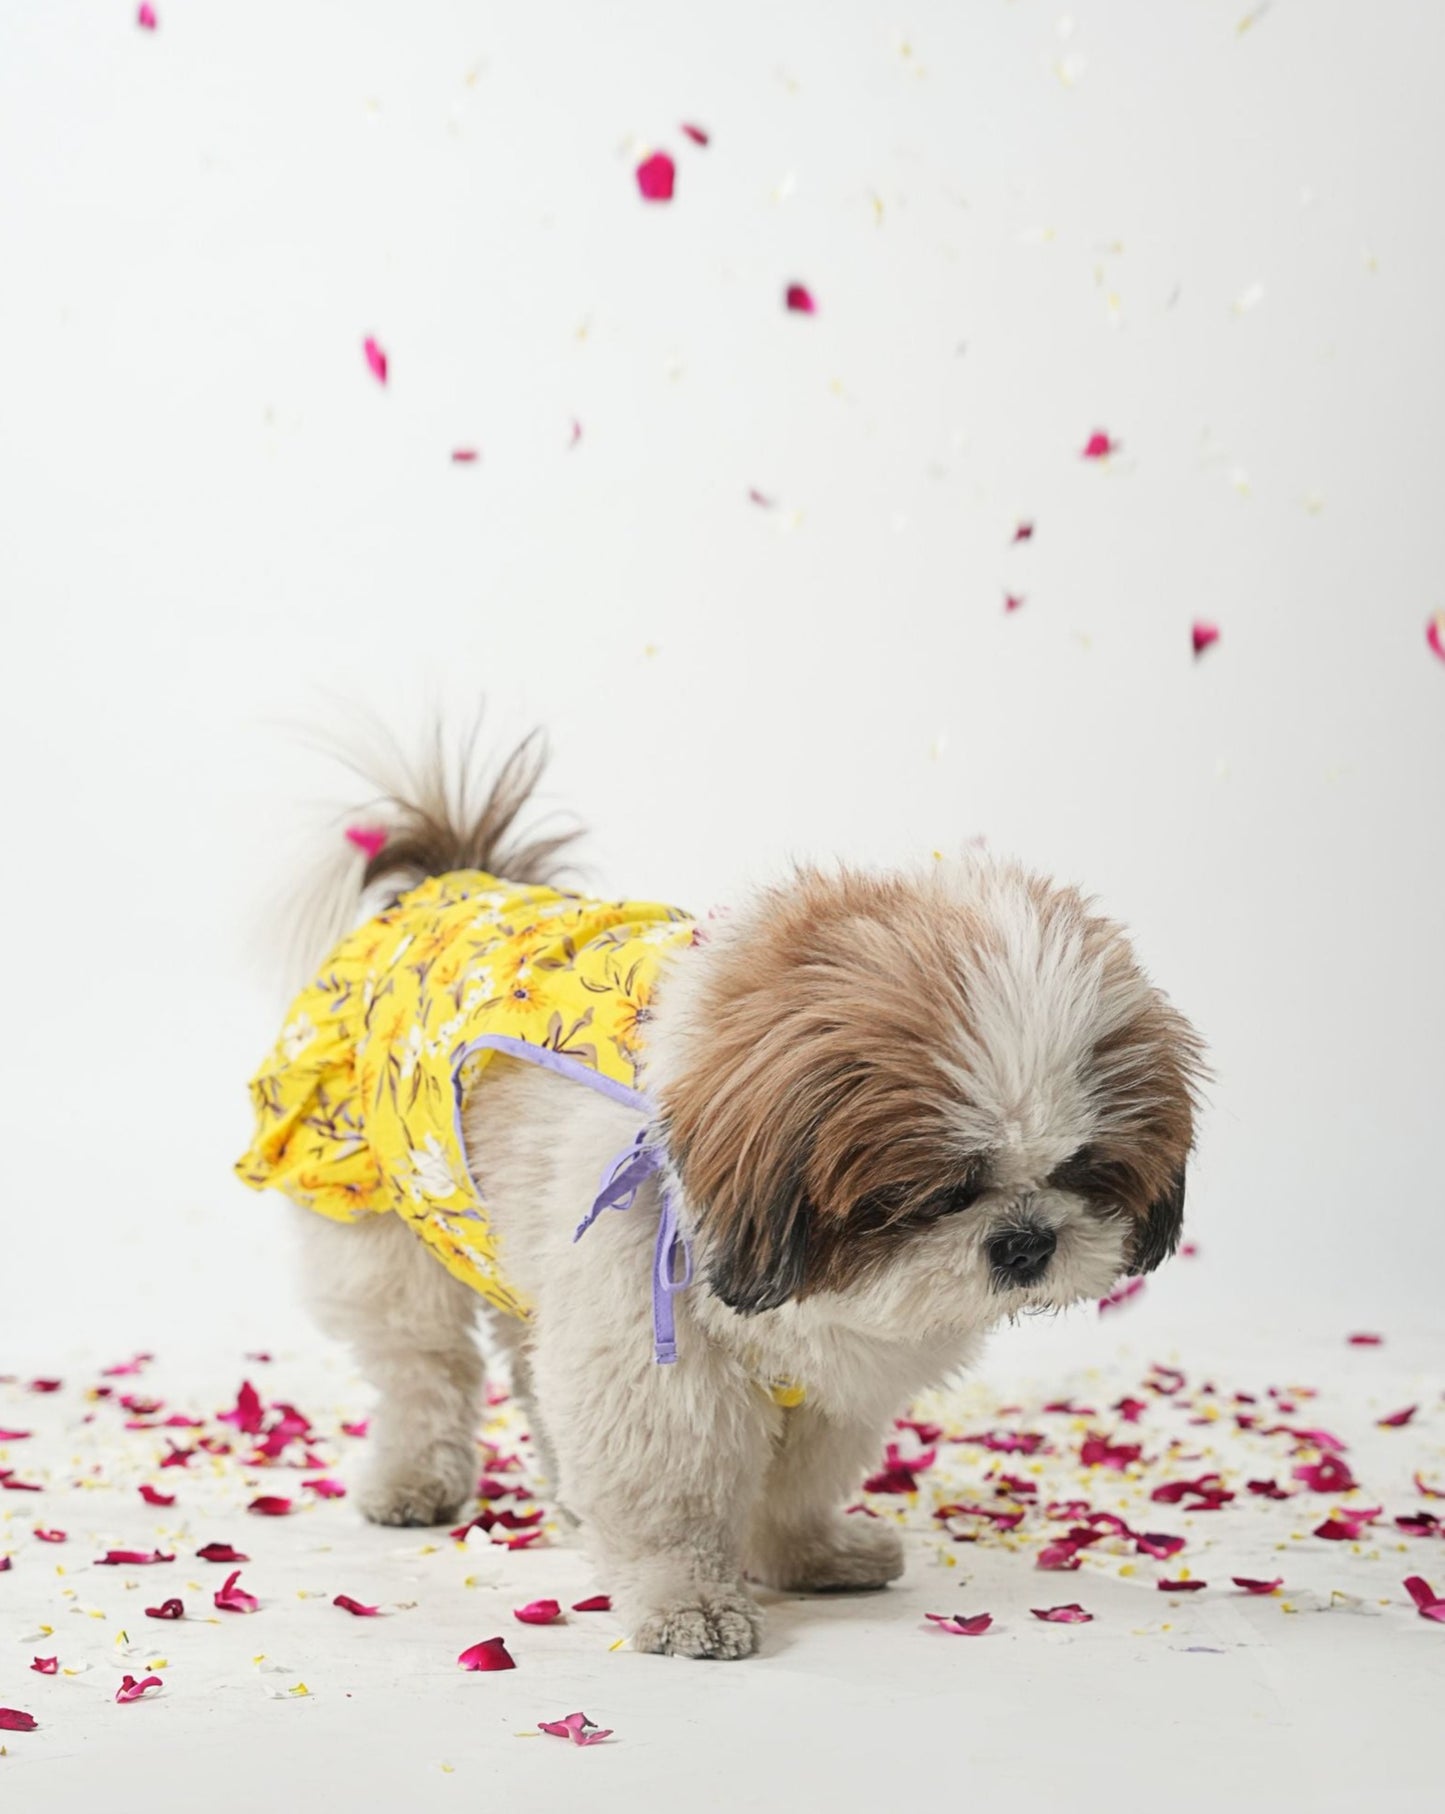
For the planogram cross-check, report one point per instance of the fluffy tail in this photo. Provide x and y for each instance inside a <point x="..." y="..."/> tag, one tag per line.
<point x="426" y="816"/>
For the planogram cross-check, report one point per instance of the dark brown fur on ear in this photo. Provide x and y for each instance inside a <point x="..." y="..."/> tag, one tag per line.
<point x="1156" y="1235"/>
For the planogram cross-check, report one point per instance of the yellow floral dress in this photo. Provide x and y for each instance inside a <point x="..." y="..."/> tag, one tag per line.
<point x="358" y="1107"/>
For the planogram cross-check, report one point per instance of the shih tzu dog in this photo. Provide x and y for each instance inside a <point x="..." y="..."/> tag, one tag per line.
<point x="849" y="1127"/>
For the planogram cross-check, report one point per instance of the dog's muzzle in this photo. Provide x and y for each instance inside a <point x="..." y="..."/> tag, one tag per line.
<point x="1020" y="1256"/>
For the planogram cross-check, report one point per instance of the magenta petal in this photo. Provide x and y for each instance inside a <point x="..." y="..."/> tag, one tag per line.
<point x="14" y="1435"/>
<point x="967" y="1628"/>
<point x="576" y="1727"/>
<point x="168" y="1609"/>
<point x="1024" y="532"/>
<point x="1397" y="1419"/>
<point x="1099" y="446"/>
<point x="375" y="359"/>
<point x="657" y="177"/>
<point x="697" y="134"/>
<point x="45" y="1665"/>
<point x="145" y="16"/>
<point x="538" y="1612"/>
<point x="153" y="1496"/>
<point x="595" y="1603"/>
<point x="355" y="1608"/>
<point x="798" y="298"/>
<point x="220" y="1552"/>
<point x="1257" y="1587"/>
<point x="230" y="1598"/>
<point x="370" y="840"/>
<point x="1121" y="1293"/>
<point x="131" y="1690"/>
<point x="1202" y="635"/>
<point x="1435" y="634"/>
<point x="465" y="456"/>
<point x="13" y="1720"/>
<point x="1154" y="1543"/>
<point x="491" y="1653"/>
<point x="1180" y="1587"/>
<point x="1013" y="601"/>
<point x="270" y="1506"/>
<point x="1073" y="1614"/>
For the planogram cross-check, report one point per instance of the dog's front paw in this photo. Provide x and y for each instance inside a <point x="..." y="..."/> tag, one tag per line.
<point x="428" y="1488"/>
<point x="848" y="1555"/>
<point x="704" y="1622"/>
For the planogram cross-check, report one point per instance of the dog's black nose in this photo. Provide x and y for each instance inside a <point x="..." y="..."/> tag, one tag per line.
<point x="1020" y="1256"/>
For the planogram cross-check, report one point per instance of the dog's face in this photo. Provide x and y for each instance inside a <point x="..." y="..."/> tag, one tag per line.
<point x="938" y="1102"/>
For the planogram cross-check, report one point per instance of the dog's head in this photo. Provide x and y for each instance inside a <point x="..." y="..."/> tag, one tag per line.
<point x="943" y="1100"/>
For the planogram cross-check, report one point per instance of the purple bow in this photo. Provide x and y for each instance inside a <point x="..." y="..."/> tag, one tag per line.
<point x="621" y="1181"/>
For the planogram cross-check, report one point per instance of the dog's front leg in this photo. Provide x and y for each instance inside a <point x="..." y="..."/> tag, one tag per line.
<point x="802" y="1540"/>
<point x="663" y="1466"/>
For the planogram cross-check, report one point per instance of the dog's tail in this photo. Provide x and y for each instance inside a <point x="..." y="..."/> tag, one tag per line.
<point x="426" y="816"/>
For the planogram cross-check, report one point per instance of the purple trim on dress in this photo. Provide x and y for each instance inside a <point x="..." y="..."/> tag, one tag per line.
<point x="621" y="1180"/>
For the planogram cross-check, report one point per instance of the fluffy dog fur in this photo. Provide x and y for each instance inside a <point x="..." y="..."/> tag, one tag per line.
<point x="897" y="1110"/>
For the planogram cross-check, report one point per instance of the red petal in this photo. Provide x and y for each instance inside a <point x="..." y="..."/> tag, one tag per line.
<point x="538" y="1612"/>
<point x="50" y="1536"/>
<point x="1435" y="634"/>
<point x="1421" y="1592"/>
<point x="1024" y="532"/>
<point x="168" y="1609"/>
<point x="1159" y="1546"/>
<point x="1430" y="1492"/>
<point x="230" y="1598"/>
<point x="965" y="1628"/>
<point x="1397" y="1419"/>
<point x="130" y="1558"/>
<point x="1121" y="1293"/>
<point x="1328" y="1476"/>
<point x="325" y="1488"/>
<point x="375" y="359"/>
<point x="1364" y="1341"/>
<point x="14" y="1435"/>
<point x="359" y="1428"/>
<point x="577" y="1727"/>
<point x="697" y="134"/>
<point x="145" y="16"/>
<point x="491" y="1653"/>
<point x="1014" y="601"/>
<point x="269" y="1506"/>
<point x="221" y="1552"/>
<point x="596" y="1603"/>
<point x="46" y="1665"/>
<point x="13" y="1720"/>
<point x="46" y="1385"/>
<point x="369" y="840"/>
<point x="153" y="1496"/>
<point x="657" y="177"/>
<point x="1099" y="446"/>
<point x="1257" y="1587"/>
<point x="355" y="1608"/>
<point x="1180" y="1587"/>
<point x="131" y="1690"/>
<point x="798" y="298"/>
<point x="465" y="456"/>
<point x="1073" y="1614"/>
<point x="1202" y="635"/>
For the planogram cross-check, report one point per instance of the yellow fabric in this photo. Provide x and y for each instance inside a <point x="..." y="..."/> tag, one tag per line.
<point x="356" y="1105"/>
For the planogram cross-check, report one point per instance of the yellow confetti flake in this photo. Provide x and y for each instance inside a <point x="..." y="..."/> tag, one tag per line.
<point x="618" y="1645"/>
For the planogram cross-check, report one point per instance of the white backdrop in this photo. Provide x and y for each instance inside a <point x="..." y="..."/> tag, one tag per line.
<point x="1210" y="236"/>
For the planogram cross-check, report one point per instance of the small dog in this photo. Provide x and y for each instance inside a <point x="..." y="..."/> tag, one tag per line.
<point x="853" y="1124"/>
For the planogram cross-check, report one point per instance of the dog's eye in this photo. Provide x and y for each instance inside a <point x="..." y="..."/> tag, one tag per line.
<point x="910" y="1206"/>
<point x="950" y="1202"/>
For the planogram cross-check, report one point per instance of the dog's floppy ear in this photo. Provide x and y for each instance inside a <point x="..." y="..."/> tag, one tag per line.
<point x="1157" y="1235"/>
<point x="758" y="1258"/>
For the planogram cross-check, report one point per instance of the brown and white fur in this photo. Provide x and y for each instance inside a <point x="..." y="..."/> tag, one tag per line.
<point x="898" y="1109"/>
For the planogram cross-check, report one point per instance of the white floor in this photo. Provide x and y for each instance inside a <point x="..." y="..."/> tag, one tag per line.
<point x="1325" y="1696"/>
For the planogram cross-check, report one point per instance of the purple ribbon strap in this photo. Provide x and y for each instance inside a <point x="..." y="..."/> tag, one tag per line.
<point x="621" y="1180"/>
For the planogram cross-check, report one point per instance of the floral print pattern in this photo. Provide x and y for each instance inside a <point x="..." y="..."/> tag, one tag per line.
<point x="357" y="1104"/>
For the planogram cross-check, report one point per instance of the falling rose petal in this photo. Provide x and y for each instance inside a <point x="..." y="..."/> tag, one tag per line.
<point x="14" y="1435"/>
<point x="269" y="1505"/>
<point x="576" y="1727"/>
<point x="1328" y="1476"/>
<point x="168" y="1609"/>
<point x="325" y="1488"/>
<point x="1121" y="1294"/>
<point x="221" y="1552"/>
<point x="46" y="1665"/>
<point x="50" y="1536"/>
<point x="798" y="299"/>
<point x="595" y="1603"/>
<point x="131" y="1558"/>
<point x="375" y="359"/>
<point x="1073" y="1614"/>
<point x="1014" y="601"/>
<point x="230" y="1598"/>
<point x="145" y="16"/>
<point x="5" y="1565"/>
<point x="46" y="1385"/>
<point x="576" y="435"/>
<point x="1365" y="1341"/>
<point x="1099" y="446"/>
<point x="974" y="1627"/>
<point x="1180" y="1587"/>
<point x="491" y="1653"/>
<point x="657" y="177"/>
<point x="760" y="498"/>
<point x="1202" y="635"/>
<point x="1435" y="634"/>
<point x="370" y="840"/>
<point x="465" y="456"/>
<point x="1024" y="532"/>
<point x="153" y="1496"/>
<point x="358" y="1428"/>
<point x="1156" y="1544"/>
<point x="355" y="1608"/>
<point x="13" y="1720"/>
<point x="132" y="1690"/>
<point x="1397" y="1419"/>
<point x="697" y="134"/>
<point x="1422" y="1486"/>
<point x="1258" y="1587"/>
<point x="538" y="1612"/>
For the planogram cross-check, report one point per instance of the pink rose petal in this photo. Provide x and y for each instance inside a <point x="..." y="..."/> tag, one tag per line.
<point x="1365" y="1341"/>
<point x="230" y="1598"/>
<point x="1099" y="446"/>
<point x="1435" y="634"/>
<point x="359" y="1428"/>
<point x="153" y="1496"/>
<point x="1430" y="1492"/>
<point x="1062" y="1555"/>
<point x="46" y="1665"/>
<point x="1258" y="1587"/>
<point x="657" y="177"/>
<point x="1180" y="1587"/>
<point x="1397" y="1419"/>
<point x="965" y="1628"/>
<point x="1420" y="1524"/>
<point x="131" y="1558"/>
<point x="576" y="1727"/>
<point x="12" y="1485"/>
<point x="168" y="1609"/>
<point x="465" y="456"/>
<point x="1154" y="1543"/>
<point x="1266" y="1489"/>
<point x="594" y="1603"/>
<point x="697" y="134"/>
<point x="46" y="1385"/>
<point x="13" y="1720"/>
<point x="798" y="299"/>
<point x="50" y="1536"/>
<point x="895" y="1479"/>
<point x="221" y="1552"/>
<point x="538" y="1612"/>
<point x="1328" y="1476"/>
<point x="1121" y="1293"/>
<point x="370" y="840"/>
<point x="491" y="1653"/>
<point x="131" y="1690"/>
<point x="269" y="1505"/>
<point x="1202" y="635"/>
<point x="5" y="1565"/>
<point x="1426" y="1602"/>
<point x="1073" y="1614"/>
<point x="1024" y="532"/>
<point x="145" y="16"/>
<point x="1014" y="601"/>
<point x="375" y="359"/>
<point x="1097" y="1451"/>
<point x="355" y="1607"/>
<point x="325" y="1488"/>
<point x="14" y="1435"/>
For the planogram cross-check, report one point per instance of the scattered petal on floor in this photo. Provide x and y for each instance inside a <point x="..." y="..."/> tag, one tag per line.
<point x="1099" y="446"/>
<point x="270" y="1505"/>
<point x="230" y="1598"/>
<point x="973" y="1627"/>
<point x="1435" y="634"/>
<point x="45" y="1665"/>
<point x="13" y="1720"/>
<point x="538" y="1612"/>
<point x="697" y="134"/>
<point x="145" y="16"/>
<point x="355" y="1607"/>
<point x="657" y="177"/>
<point x="1258" y="1587"/>
<point x="1072" y="1614"/>
<point x="133" y="1690"/>
<point x="799" y="299"/>
<point x="491" y="1653"/>
<point x="168" y="1609"/>
<point x="576" y="1727"/>
<point x="1203" y="635"/>
<point x="595" y="1603"/>
<point x="376" y="360"/>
